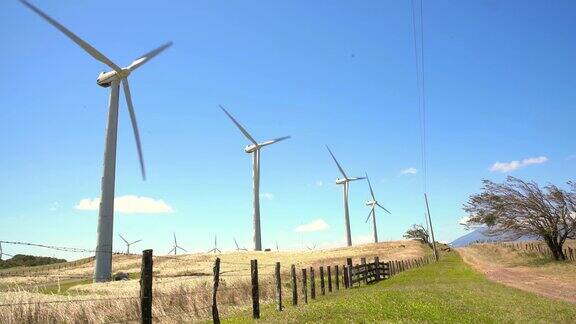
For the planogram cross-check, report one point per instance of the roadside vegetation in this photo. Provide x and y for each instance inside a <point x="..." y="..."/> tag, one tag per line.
<point x="445" y="292"/>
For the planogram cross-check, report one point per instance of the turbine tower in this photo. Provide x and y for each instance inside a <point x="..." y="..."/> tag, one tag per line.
<point x="2" y="253"/>
<point x="128" y="243"/>
<point x="215" y="249"/>
<point x="345" y="183"/>
<point x="254" y="149"/>
<point x="238" y="248"/>
<point x="112" y="79"/>
<point x="176" y="246"/>
<point x="373" y="203"/>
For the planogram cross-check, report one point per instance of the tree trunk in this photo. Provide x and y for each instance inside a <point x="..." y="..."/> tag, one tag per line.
<point x="555" y="247"/>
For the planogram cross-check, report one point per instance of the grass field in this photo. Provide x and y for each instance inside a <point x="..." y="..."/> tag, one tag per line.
<point x="445" y="292"/>
<point x="182" y="285"/>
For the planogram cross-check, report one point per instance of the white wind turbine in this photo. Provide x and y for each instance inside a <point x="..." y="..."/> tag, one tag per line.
<point x="254" y="149"/>
<point x="128" y="243"/>
<point x="345" y="182"/>
<point x="112" y="79"/>
<point x="176" y="246"/>
<point x="238" y="248"/>
<point x="373" y="203"/>
<point x="215" y="249"/>
<point x="2" y="253"/>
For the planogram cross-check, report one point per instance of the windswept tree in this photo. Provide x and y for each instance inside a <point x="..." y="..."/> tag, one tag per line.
<point x="517" y="208"/>
<point x="418" y="232"/>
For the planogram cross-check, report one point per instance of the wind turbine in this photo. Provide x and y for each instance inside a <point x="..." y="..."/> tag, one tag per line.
<point x="277" y="250"/>
<point x="112" y="79"/>
<point x="345" y="183"/>
<point x="238" y="248"/>
<point x="128" y="243"/>
<point x="176" y="246"/>
<point x="373" y="203"/>
<point x="2" y="253"/>
<point x="215" y="249"/>
<point x="311" y="248"/>
<point x="254" y="149"/>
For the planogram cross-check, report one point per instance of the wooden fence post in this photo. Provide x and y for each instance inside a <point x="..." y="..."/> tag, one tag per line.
<point x="278" y="287"/>
<point x="322" y="288"/>
<point x="146" y="287"/>
<point x="363" y="262"/>
<point x="294" y="286"/>
<point x="377" y="268"/>
<point x="329" y="279"/>
<point x="345" y="274"/>
<point x="255" y="292"/>
<point x="337" y="278"/>
<point x="216" y="281"/>
<point x="304" y="287"/>
<point x="349" y="270"/>
<point x="312" y="284"/>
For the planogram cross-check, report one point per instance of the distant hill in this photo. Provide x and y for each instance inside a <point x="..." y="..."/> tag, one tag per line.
<point x="22" y="260"/>
<point x="478" y="236"/>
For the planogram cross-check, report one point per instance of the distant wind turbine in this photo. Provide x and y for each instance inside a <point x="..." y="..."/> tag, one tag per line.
<point x="373" y="203"/>
<point x="112" y="79"/>
<point x="345" y="182"/>
<point x="311" y="248"/>
<point x="238" y="248"/>
<point x="176" y="247"/>
<point x="277" y="246"/>
<point x="128" y="243"/>
<point x="215" y="249"/>
<point x="254" y="149"/>
<point x="2" y="253"/>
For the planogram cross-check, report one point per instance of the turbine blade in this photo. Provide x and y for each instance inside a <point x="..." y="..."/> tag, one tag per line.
<point x="172" y="250"/>
<point x="338" y="164"/>
<point x="87" y="47"/>
<point x="237" y="248"/>
<point x="276" y="140"/>
<point x="356" y="178"/>
<point x="183" y="249"/>
<point x="175" y="243"/>
<point x="369" y="214"/>
<point x="134" y="125"/>
<point x="244" y="131"/>
<point x="123" y="239"/>
<point x="384" y="208"/>
<point x="370" y="185"/>
<point x="148" y="56"/>
<point x="135" y="242"/>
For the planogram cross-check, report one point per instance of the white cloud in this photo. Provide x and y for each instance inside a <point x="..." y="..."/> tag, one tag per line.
<point x="409" y="171"/>
<point x="504" y="167"/>
<point x="314" y="226"/>
<point x="129" y="204"/>
<point x="267" y="195"/>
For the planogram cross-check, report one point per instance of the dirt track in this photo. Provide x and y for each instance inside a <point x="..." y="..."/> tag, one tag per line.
<point x="533" y="279"/>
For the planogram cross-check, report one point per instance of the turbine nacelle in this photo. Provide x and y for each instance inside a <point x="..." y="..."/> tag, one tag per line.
<point x="105" y="79"/>
<point x="371" y="202"/>
<point x="340" y="181"/>
<point x="254" y="147"/>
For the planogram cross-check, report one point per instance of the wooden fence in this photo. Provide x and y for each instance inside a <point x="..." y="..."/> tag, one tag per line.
<point x="330" y="279"/>
<point x="537" y="247"/>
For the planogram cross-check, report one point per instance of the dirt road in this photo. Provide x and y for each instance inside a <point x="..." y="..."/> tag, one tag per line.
<point x="539" y="280"/>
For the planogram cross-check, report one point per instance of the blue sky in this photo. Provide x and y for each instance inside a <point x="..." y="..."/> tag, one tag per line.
<point x="500" y="80"/>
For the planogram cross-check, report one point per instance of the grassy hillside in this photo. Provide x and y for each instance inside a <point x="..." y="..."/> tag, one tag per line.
<point x="445" y="292"/>
<point x="22" y="260"/>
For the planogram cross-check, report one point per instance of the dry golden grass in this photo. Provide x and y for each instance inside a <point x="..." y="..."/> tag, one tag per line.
<point x="182" y="284"/>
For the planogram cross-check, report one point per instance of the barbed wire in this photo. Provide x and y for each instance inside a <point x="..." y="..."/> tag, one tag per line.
<point x="66" y="301"/>
<point x="65" y="248"/>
